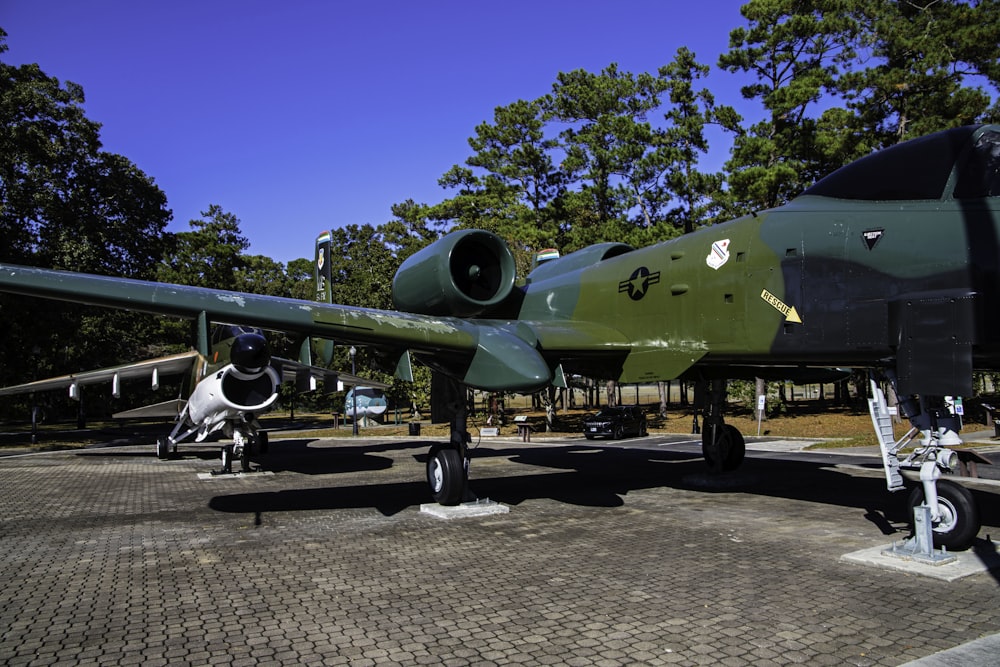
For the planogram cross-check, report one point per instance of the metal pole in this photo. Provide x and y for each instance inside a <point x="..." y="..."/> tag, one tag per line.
<point x="35" y="351"/>
<point x="354" y="372"/>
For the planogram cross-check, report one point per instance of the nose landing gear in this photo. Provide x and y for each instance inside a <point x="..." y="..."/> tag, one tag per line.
<point x="952" y="514"/>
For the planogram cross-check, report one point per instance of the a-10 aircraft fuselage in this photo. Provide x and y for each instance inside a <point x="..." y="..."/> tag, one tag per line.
<point x="817" y="282"/>
<point x="821" y="281"/>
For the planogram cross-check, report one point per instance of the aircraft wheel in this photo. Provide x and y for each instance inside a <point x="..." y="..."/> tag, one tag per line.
<point x="737" y="449"/>
<point x="959" y="522"/>
<point x="162" y="448"/>
<point x="262" y="443"/>
<point x="728" y="450"/>
<point x="227" y="459"/>
<point x="245" y="457"/>
<point x="446" y="474"/>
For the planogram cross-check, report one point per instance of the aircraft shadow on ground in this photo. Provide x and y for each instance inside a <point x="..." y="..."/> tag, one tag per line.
<point x="309" y="457"/>
<point x="299" y="456"/>
<point x="585" y="475"/>
<point x="203" y="451"/>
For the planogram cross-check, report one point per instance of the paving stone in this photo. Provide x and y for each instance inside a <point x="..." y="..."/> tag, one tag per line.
<point x="607" y="557"/>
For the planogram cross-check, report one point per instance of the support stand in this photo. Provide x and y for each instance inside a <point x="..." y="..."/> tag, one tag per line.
<point x="920" y="547"/>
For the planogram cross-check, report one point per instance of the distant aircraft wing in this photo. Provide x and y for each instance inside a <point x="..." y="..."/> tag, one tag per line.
<point x="171" y="409"/>
<point x="303" y="375"/>
<point x="174" y="364"/>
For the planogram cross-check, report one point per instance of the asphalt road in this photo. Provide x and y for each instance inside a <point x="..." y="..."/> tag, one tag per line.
<point x="611" y="554"/>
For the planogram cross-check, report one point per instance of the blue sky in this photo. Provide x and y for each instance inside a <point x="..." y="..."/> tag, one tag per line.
<point x="305" y="115"/>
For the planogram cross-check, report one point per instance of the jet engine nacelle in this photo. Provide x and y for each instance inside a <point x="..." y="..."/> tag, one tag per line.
<point x="229" y="392"/>
<point x="463" y="274"/>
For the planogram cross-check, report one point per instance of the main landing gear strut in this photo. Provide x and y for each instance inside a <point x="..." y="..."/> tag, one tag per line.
<point x="722" y="445"/>
<point x="448" y="464"/>
<point x="950" y="510"/>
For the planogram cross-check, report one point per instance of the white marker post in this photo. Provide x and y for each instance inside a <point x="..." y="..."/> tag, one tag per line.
<point x="761" y="402"/>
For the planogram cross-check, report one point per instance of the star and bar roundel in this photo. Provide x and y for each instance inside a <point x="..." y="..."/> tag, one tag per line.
<point x="638" y="283"/>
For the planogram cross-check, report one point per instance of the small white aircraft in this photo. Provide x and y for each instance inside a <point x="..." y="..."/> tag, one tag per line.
<point x="228" y="388"/>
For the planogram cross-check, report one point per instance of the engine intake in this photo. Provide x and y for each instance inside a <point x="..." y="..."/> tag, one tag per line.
<point x="463" y="274"/>
<point x="230" y="392"/>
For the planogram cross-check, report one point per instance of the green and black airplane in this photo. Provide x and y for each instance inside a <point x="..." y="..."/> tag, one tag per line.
<point x="891" y="263"/>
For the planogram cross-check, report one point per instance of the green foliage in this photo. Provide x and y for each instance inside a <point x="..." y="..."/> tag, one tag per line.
<point x="65" y="203"/>
<point x="44" y="137"/>
<point x="744" y="392"/>
<point x="585" y="164"/>
<point x="694" y="193"/>
<point x="915" y="59"/>
<point x="362" y="266"/>
<point x="259" y="274"/>
<point x="837" y="79"/>
<point x="207" y="256"/>
<point x="795" y="50"/>
<point x="607" y="138"/>
<point x="299" y="273"/>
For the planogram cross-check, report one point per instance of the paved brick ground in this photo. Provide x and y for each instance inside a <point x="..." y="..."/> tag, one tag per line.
<point x="608" y="557"/>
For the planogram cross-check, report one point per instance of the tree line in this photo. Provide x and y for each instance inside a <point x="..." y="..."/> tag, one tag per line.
<point x="604" y="156"/>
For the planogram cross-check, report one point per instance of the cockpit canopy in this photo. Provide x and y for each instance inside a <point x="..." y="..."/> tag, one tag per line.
<point x="225" y="332"/>
<point x="923" y="169"/>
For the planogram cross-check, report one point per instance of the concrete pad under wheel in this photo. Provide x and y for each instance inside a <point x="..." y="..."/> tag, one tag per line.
<point x="484" y="507"/>
<point x="966" y="563"/>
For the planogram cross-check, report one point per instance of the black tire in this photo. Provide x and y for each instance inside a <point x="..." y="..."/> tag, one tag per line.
<point x="588" y="436"/>
<point x="619" y="432"/>
<point x="960" y="521"/>
<point x="737" y="449"/>
<point x="162" y="448"/>
<point x="227" y="459"/>
<point x="262" y="443"/>
<point x="729" y="450"/>
<point x="446" y="475"/>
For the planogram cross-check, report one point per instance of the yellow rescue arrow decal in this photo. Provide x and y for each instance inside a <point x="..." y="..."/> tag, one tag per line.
<point x="788" y="311"/>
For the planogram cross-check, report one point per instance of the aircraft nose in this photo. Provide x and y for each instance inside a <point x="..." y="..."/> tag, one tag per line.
<point x="249" y="352"/>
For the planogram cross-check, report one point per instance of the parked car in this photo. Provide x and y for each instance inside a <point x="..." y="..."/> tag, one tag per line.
<point x="616" y="422"/>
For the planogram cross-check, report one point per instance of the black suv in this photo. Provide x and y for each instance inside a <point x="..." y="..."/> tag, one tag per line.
<point x="615" y="422"/>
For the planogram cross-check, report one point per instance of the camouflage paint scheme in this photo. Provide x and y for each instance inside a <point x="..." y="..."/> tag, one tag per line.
<point x="889" y="262"/>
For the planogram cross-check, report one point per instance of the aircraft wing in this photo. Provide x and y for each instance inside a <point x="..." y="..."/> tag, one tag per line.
<point x="150" y="368"/>
<point x="171" y="409"/>
<point x="489" y="354"/>
<point x="304" y="374"/>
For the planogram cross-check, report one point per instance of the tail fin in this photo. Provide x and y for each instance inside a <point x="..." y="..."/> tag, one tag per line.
<point x="321" y="270"/>
<point x="323" y="276"/>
